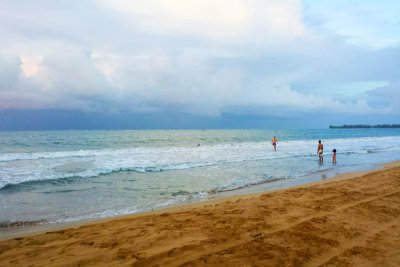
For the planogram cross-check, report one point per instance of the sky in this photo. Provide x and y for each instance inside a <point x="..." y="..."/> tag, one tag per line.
<point x="129" y="64"/>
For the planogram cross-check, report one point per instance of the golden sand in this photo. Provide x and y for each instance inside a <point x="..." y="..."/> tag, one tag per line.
<point x="350" y="220"/>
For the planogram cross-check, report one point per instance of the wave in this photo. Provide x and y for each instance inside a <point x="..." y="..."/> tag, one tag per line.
<point x="244" y="185"/>
<point x="157" y="150"/>
<point x="58" y="154"/>
<point x="17" y="168"/>
<point x="232" y="187"/>
<point x="9" y="185"/>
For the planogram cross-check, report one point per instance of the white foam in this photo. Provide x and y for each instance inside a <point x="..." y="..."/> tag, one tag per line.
<point x="16" y="168"/>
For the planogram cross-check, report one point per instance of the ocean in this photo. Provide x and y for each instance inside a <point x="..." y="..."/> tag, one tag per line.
<point x="65" y="176"/>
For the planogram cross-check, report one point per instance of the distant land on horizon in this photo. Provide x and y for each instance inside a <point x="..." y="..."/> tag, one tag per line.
<point x="345" y="126"/>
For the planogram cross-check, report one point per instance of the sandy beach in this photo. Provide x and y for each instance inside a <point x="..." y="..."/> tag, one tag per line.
<point x="350" y="220"/>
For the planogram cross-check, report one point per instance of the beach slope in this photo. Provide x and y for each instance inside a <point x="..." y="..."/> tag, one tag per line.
<point x="345" y="221"/>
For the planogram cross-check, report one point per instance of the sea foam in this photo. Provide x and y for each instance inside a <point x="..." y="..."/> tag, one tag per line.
<point x="16" y="168"/>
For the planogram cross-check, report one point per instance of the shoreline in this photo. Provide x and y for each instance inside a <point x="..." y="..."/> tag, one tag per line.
<point x="29" y="230"/>
<point x="352" y="219"/>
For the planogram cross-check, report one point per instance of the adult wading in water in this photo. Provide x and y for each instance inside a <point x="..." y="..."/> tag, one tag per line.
<point x="274" y="142"/>
<point x="320" y="151"/>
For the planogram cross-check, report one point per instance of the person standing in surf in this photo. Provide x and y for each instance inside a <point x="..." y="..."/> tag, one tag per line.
<point x="274" y="142"/>
<point x="334" y="156"/>
<point x="320" y="151"/>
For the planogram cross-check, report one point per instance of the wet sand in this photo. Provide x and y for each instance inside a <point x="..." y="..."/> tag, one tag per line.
<point x="350" y="220"/>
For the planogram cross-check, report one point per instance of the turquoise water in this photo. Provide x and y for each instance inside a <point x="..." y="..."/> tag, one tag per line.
<point x="55" y="176"/>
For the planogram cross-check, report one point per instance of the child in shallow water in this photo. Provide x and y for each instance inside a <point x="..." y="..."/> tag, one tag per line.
<point x="334" y="155"/>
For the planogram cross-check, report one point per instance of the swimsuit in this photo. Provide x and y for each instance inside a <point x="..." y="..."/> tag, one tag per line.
<point x="320" y="149"/>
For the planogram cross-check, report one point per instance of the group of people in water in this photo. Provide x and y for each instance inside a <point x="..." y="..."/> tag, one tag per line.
<point x="320" y="150"/>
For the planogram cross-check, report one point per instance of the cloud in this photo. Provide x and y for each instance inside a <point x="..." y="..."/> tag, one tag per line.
<point x="198" y="57"/>
<point x="210" y="18"/>
<point x="30" y="66"/>
<point x="369" y="24"/>
<point x="66" y="79"/>
<point x="386" y="98"/>
<point x="237" y="20"/>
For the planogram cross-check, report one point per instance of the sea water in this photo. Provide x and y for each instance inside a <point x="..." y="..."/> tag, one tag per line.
<point x="61" y="176"/>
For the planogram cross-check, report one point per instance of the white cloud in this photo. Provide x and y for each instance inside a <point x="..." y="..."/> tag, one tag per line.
<point x="238" y="20"/>
<point x="202" y="56"/>
<point x="356" y="88"/>
<point x="30" y="66"/>
<point x="211" y="18"/>
<point x="284" y="95"/>
<point x="79" y="79"/>
<point x="369" y="24"/>
<point x="108" y="64"/>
